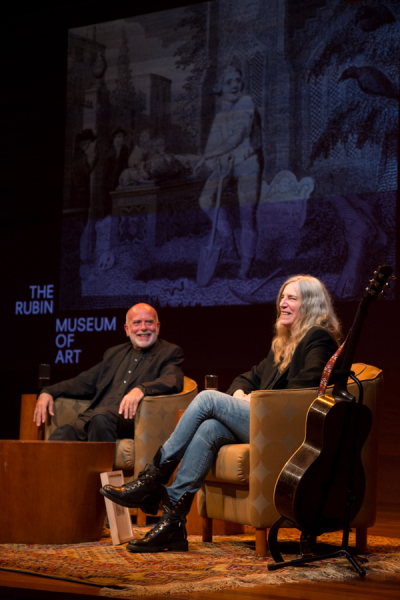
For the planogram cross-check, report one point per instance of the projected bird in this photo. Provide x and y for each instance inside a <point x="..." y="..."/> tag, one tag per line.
<point x="371" y="81"/>
<point x="370" y="18"/>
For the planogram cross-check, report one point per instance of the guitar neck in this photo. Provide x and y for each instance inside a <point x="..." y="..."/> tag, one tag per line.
<point x="376" y="287"/>
<point x="346" y="359"/>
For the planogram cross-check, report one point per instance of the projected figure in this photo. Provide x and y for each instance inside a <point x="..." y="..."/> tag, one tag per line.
<point x="116" y="162"/>
<point x="82" y="166"/>
<point x="136" y="171"/>
<point x="234" y="143"/>
<point x="149" y="162"/>
<point x="163" y="165"/>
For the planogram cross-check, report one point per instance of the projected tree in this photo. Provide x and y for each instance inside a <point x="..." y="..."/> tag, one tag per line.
<point x="368" y="112"/>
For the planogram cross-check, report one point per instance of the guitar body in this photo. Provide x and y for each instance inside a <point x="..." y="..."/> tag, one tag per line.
<point x="312" y="488"/>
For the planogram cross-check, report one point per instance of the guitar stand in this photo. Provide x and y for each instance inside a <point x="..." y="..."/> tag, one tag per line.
<point x="307" y="539"/>
<point x="305" y="549"/>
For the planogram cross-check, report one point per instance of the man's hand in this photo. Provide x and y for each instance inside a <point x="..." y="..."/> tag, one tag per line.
<point x="242" y="396"/>
<point x="44" y="402"/>
<point x="130" y="402"/>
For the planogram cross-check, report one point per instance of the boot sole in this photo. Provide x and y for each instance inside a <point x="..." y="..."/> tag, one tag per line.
<point x="146" y="508"/>
<point x="173" y="547"/>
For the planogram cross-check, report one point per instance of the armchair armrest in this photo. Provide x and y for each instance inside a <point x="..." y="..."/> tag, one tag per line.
<point x="277" y="419"/>
<point x="155" y="421"/>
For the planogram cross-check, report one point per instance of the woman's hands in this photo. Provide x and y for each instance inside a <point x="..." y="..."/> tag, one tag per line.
<point x="242" y="396"/>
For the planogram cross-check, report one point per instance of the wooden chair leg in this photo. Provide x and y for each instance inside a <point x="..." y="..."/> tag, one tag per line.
<point x="207" y="529"/>
<point x="361" y="540"/>
<point x="140" y="518"/>
<point x="261" y="542"/>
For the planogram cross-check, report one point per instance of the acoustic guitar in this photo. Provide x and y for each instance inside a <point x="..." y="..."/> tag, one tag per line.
<point x="312" y="488"/>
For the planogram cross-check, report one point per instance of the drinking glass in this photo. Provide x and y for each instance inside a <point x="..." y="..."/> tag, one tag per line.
<point x="211" y="382"/>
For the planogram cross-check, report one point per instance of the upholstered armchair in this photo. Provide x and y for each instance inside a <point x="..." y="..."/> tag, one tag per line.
<point x="154" y="423"/>
<point x="240" y="485"/>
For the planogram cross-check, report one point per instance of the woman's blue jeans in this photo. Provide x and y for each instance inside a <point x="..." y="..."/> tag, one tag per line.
<point x="212" y="420"/>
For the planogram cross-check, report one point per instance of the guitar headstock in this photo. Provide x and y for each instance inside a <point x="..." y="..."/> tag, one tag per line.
<point x="379" y="285"/>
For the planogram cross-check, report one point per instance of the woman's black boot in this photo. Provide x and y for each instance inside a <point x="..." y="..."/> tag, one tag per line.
<point x="170" y="532"/>
<point x="145" y="492"/>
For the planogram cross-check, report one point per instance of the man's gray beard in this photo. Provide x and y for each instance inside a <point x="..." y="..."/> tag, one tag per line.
<point x="136" y="343"/>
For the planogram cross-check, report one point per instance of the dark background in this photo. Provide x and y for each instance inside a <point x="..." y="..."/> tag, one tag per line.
<point x="221" y="340"/>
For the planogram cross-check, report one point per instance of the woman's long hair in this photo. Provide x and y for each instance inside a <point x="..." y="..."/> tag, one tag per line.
<point x="315" y="309"/>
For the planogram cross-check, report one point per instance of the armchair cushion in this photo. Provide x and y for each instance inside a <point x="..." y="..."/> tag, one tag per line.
<point x="124" y="454"/>
<point x="232" y="465"/>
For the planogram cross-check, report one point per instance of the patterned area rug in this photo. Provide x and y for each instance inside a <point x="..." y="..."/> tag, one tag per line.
<point x="227" y="562"/>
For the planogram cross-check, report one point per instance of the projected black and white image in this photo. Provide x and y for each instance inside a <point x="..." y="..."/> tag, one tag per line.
<point x="215" y="149"/>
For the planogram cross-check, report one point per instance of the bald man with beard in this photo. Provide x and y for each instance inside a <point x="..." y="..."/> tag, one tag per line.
<point x="144" y="366"/>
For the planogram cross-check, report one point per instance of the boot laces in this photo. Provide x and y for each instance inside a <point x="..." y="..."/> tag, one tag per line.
<point x="131" y="485"/>
<point x="149" y="472"/>
<point x="168" y="517"/>
<point x="146" y="471"/>
<point x="144" y="475"/>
